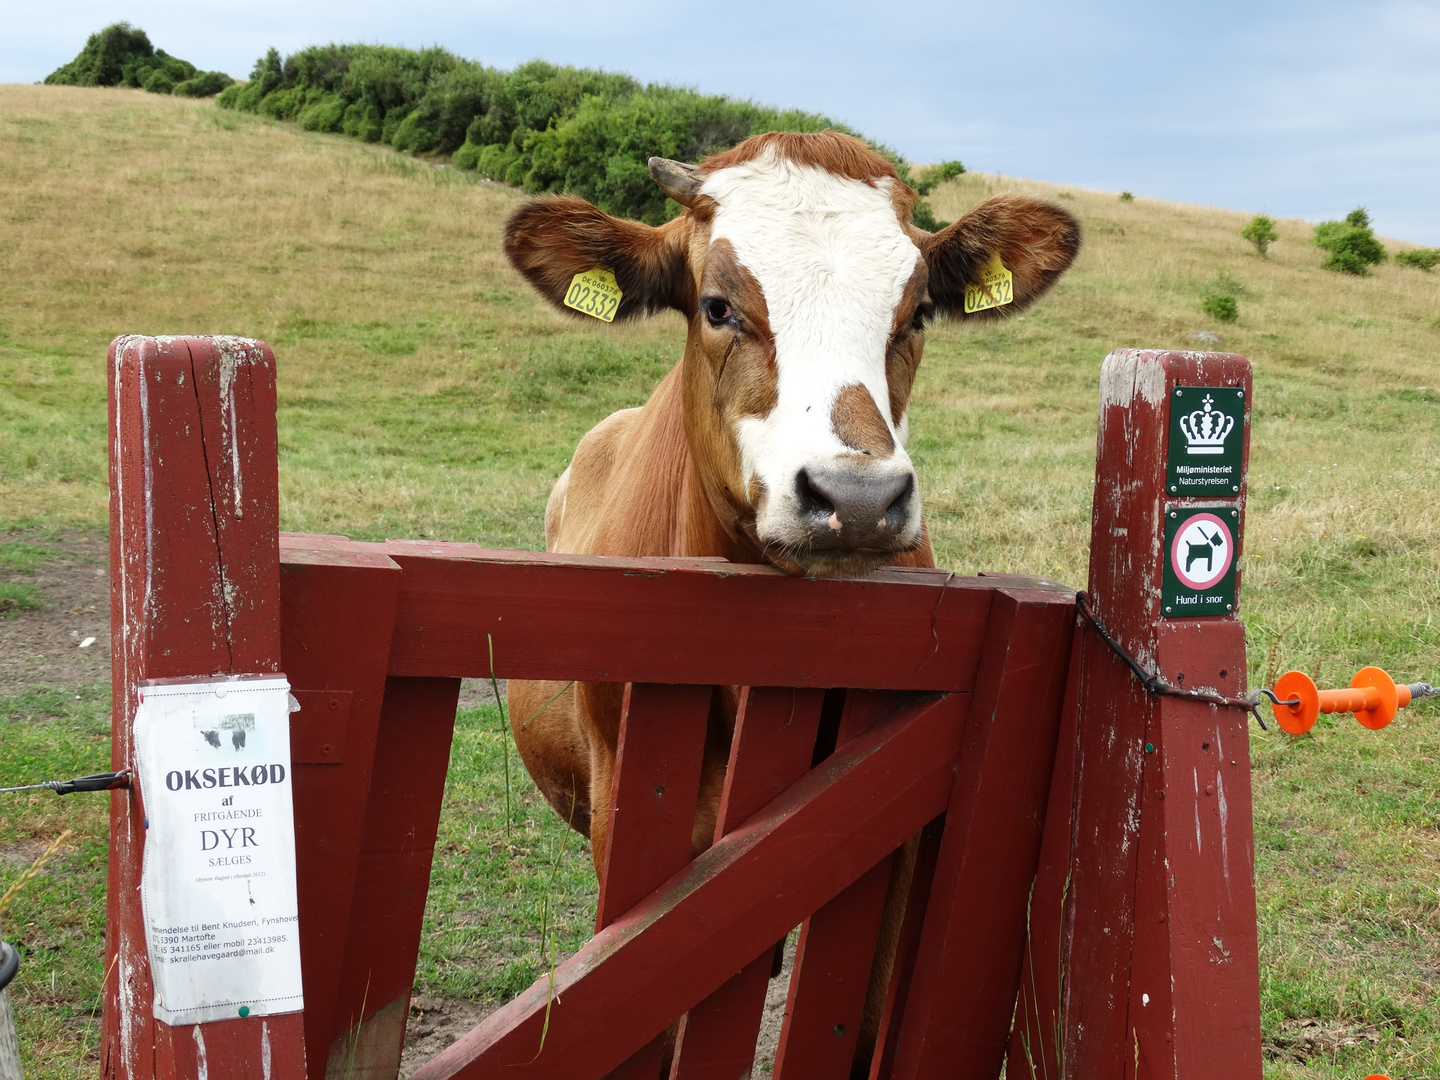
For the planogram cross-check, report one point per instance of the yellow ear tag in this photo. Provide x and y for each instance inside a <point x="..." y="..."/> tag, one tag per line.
<point x="595" y="293"/>
<point x="997" y="288"/>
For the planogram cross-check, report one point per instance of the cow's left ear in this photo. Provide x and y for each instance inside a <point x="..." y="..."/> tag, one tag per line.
<point x="553" y="238"/>
<point x="1036" y="241"/>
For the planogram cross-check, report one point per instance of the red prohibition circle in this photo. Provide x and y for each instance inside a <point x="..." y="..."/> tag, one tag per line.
<point x="1181" y="552"/>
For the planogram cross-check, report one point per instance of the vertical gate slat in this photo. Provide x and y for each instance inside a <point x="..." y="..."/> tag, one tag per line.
<point x="655" y="788"/>
<point x="862" y="708"/>
<point x="194" y="592"/>
<point x="967" y="974"/>
<point x="1037" y="1016"/>
<point x="336" y="620"/>
<point x="771" y="748"/>
<point x="829" y="981"/>
<point x="652" y="811"/>
<point x="907" y="948"/>
<point x="402" y="818"/>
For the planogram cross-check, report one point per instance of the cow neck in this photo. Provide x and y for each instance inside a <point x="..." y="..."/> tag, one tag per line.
<point x="655" y="503"/>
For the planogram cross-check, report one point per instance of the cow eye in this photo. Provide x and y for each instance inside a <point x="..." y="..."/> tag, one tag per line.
<point x="924" y="313"/>
<point x="718" y="311"/>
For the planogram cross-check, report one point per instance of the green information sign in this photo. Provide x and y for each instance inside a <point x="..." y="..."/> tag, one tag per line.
<point x="1207" y="431"/>
<point x="1201" y="545"/>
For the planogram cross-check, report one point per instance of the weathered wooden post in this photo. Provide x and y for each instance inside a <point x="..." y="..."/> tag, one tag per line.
<point x="195" y="591"/>
<point x="1143" y="960"/>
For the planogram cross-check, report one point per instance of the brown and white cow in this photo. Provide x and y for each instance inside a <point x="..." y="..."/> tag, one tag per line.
<point x="780" y="436"/>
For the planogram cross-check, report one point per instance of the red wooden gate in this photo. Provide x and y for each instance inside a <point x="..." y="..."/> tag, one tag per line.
<point x="961" y="691"/>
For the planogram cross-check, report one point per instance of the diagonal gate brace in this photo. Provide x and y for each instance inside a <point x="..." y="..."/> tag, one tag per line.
<point x="680" y="944"/>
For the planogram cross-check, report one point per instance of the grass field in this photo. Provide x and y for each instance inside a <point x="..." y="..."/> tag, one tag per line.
<point x="425" y="392"/>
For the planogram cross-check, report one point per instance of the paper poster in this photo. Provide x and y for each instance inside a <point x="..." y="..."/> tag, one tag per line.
<point x="218" y="879"/>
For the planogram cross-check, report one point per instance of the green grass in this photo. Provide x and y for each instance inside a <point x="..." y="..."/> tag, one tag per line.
<point x="58" y="918"/>
<point x="424" y="391"/>
<point x="482" y="921"/>
<point x="20" y="559"/>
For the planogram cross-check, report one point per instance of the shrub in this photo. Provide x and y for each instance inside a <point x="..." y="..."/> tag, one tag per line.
<point x="121" y="55"/>
<point x="1218" y="297"/>
<point x="1224" y="308"/>
<point x="205" y="84"/>
<point x="923" y="217"/>
<point x="932" y="176"/>
<point x="1421" y="258"/>
<point x="1127" y="196"/>
<point x="1351" y="243"/>
<point x="1260" y="232"/>
<point x="102" y="61"/>
<point x="159" y="82"/>
<point x="540" y="127"/>
<point x="324" y="113"/>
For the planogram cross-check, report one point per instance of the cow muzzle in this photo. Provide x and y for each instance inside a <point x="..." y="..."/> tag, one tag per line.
<point x="865" y="510"/>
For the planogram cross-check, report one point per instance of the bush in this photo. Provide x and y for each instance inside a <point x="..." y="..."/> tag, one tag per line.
<point x="322" y="114"/>
<point x="1421" y="258"/>
<point x="923" y="217"/>
<point x="540" y="127"/>
<point x="1260" y="232"/>
<point x="121" y="55"/>
<point x="159" y="82"/>
<point x="932" y="176"/>
<point x="1224" y="308"/>
<point x="1218" y="298"/>
<point x="205" y="84"/>
<point x="1127" y="196"/>
<point x="1351" y="243"/>
<point x="103" y="59"/>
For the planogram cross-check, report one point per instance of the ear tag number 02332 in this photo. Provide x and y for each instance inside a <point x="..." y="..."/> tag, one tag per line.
<point x="595" y="293"/>
<point x="997" y="288"/>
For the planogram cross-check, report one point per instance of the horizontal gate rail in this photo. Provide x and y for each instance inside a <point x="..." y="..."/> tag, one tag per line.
<point x="672" y="620"/>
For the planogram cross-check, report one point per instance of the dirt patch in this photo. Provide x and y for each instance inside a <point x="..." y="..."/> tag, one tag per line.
<point x="1301" y="1040"/>
<point x="435" y="1023"/>
<point x="44" y="646"/>
<point x="22" y="854"/>
<point x="477" y="692"/>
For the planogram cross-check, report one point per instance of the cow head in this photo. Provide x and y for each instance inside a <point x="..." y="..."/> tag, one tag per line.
<point x="807" y="292"/>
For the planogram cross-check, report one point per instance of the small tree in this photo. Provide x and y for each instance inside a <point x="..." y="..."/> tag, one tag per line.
<point x="1351" y="243"/>
<point x="1260" y="232"/>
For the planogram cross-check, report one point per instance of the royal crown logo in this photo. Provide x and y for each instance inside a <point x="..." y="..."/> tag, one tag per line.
<point x="1205" y="431"/>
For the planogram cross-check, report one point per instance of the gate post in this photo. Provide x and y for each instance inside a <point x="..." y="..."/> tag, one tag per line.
<point x="194" y="591"/>
<point x="1143" y="960"/>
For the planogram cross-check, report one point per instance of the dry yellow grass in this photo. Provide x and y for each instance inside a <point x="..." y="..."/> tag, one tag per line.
<point x="425" y="391"/>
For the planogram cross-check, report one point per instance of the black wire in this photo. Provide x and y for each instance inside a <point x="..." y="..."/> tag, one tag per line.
<point x="1153" y="683"/>
<point x="98" y="782"/>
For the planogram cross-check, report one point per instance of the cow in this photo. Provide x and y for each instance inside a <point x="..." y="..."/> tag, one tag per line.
<point x="780" y="435"/>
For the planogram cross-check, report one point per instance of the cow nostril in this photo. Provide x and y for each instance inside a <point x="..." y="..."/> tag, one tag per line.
<point x="812" y="502"/>
<point x="898" y="512"/>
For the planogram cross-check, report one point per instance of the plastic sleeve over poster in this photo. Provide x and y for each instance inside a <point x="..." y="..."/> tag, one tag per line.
<point x="218" y="879"/>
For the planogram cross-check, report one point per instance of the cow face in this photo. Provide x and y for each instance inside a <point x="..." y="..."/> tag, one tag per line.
<point x="807" y="292"/>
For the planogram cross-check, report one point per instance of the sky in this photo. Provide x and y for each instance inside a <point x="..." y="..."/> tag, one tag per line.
<point x="1294" y="109"/>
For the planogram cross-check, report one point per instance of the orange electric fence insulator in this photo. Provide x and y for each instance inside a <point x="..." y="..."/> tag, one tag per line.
<point x="1372" y="696"/>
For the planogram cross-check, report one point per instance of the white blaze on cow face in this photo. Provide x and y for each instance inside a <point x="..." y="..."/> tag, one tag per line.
<point x="833" y="261"/>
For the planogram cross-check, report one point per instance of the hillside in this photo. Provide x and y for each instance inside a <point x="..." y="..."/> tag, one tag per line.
<point x="426" y="392"/>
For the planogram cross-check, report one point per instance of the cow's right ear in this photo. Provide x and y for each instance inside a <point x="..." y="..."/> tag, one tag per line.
<point x="555" y="237"/>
